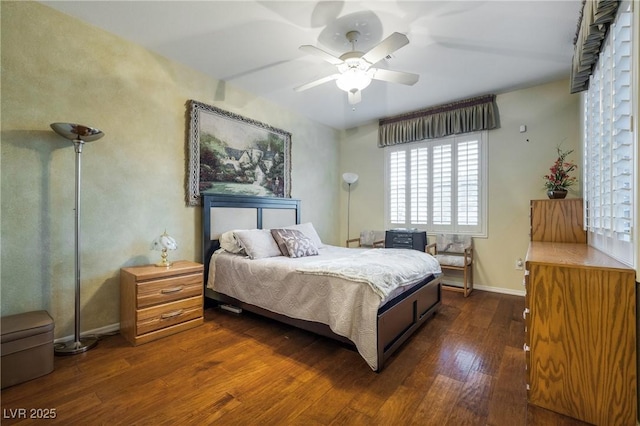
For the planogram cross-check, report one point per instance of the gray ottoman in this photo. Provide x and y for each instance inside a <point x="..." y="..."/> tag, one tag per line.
<point x="27" y="347"/>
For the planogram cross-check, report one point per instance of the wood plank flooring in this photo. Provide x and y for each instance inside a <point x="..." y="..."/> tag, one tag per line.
<point x="465" y="366"/>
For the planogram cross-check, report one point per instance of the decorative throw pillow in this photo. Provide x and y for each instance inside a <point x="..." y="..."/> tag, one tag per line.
<point x="258" y="243"/>
<point x="309" y="231"/>
<point x="277" y="237"/>
<point x="294" y="243"/>
<point x="452" y="243"/>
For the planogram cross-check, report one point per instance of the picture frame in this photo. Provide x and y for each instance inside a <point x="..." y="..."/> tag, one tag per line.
<point x="235" y="155"/>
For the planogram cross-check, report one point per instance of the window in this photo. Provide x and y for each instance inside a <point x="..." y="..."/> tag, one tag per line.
<point x="608" y="144"/>
<point x="438" y="185"/>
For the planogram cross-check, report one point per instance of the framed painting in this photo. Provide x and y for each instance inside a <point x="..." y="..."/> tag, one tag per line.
<point x="232" y="154"/>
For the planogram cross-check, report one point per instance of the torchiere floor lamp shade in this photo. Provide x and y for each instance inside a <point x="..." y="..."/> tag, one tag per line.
<point x="79" y="134"/>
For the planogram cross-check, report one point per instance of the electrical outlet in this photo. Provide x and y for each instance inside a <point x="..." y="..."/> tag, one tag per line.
<point x="519" y="264"/>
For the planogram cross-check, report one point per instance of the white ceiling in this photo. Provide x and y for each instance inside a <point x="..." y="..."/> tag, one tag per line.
<point x="460" y="49"/>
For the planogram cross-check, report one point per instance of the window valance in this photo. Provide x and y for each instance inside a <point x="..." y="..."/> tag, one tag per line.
<point x="594" y="21"/>
<point x="465" y="116"/>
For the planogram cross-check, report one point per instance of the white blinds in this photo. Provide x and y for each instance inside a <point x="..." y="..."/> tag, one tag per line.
<point x="397" y="184"/>
<point x="419" y="185"/>
<point x="437" y="185"/>
<point x="468" y="182"/>
<point x="609" y="163"/>
<point x="442" y="183"/>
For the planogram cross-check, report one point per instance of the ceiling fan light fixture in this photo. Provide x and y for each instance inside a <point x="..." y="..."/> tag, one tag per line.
<point x="356" y="69"/>
<point x="353" y="80"/>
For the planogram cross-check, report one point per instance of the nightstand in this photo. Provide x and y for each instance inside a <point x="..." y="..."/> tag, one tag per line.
<point x="157" y="301"/>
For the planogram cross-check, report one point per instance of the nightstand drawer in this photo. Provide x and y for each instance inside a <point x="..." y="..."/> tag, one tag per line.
<point x="169" y="289"/>
<point x="157" y="317"/>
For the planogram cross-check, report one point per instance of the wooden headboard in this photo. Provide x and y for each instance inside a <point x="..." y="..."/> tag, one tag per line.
<point x="222" y="213"/>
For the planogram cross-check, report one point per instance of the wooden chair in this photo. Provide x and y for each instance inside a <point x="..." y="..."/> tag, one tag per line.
<point x="373" y="239"/>
<point x="455" y="252"/>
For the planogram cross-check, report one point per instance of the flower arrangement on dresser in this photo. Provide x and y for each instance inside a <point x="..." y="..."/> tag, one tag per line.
<point x="558" y="180"/>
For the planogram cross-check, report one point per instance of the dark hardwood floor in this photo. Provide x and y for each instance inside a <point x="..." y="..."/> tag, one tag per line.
<point x="465" y="366"/>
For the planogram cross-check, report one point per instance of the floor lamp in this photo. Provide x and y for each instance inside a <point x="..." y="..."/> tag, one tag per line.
<point x="349" y="178"/>
<point x="79" y="135"/>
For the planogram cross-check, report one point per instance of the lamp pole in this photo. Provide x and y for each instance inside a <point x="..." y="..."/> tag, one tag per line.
<point x="79" y="135"/>
<point x="349" y="178"/>
<point x="348" y="210"/>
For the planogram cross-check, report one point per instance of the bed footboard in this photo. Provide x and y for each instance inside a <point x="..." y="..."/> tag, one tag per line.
<point x="397" y="323"/>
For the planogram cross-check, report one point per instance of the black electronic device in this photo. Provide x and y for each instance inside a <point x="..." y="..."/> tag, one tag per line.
<point x="405" y="238"/>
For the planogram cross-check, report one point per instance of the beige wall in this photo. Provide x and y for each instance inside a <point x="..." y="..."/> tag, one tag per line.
<point x="516" y="168"/>
<point x="55" y="68"/>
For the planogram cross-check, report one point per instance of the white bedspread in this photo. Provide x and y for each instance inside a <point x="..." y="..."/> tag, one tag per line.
<point x="346" y="304"/>
<point x="384" y="270"/>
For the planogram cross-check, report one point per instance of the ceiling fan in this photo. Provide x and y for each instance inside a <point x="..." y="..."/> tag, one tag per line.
<point x="355" y="69"/>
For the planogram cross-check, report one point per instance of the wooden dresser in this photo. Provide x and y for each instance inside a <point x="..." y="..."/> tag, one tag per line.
<point x="157" y="301"/>
<point x="580" y="322"/>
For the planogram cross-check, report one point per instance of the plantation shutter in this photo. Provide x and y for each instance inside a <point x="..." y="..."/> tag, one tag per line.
<point x="419" y="185"/>
<point x="397" y="186"/>
<point x="468" y="182"/>
<point x="438" y="185"/>
<point x="442" y="184"/>
<point x="609" y="151"/>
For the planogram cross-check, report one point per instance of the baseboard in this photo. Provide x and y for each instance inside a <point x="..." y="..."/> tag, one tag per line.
<point x="491" y="289"/>
<point x="107" y="329"/>
<point x="509" y="291"/>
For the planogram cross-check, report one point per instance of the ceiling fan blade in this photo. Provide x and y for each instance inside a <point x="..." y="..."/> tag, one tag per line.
<point x="389" y="45"/>
<point x="316" y="82"/>
<point x="396" y="76"/>
<point x="355" y="97"/>
<point x="312" y="50"/>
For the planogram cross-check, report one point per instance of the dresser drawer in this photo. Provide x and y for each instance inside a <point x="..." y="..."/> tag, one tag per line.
<point x="157" y="317"/>
<point x="169" y="289"/>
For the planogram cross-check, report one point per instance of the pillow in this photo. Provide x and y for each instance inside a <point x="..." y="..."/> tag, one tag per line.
<point x="257" y="243"/>
<point x="277" y="235"/>
<point x="229" y="242"/>
<point x="294" y="243"/>
<point x="452" y="243"/>
<point x="309" y="231"/>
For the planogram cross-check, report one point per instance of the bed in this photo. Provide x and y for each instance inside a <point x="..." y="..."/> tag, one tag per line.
<point x="302" y="291"/>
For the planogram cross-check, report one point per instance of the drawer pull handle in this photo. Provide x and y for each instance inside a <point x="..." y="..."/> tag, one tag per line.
<point x="172" y="290"/>
<point x="524" y="313"/>
<point x="172" y="314"/>
<point x="526" y="348"/>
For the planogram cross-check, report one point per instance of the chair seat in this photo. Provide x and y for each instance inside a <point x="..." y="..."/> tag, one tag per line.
<point x="452" y="260"/>
<point x="455" y="252"/>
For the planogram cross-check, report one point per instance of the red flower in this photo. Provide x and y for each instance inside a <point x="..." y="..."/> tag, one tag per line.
<point x="559" y="178"/>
